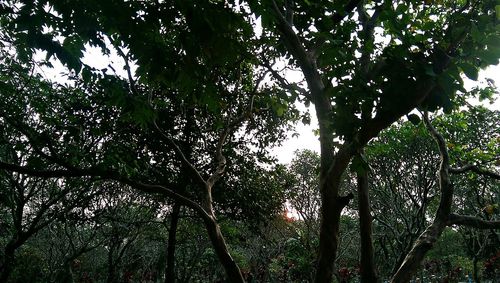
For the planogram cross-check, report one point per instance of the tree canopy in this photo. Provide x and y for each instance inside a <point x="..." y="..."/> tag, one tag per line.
<point x="205" y="93"/>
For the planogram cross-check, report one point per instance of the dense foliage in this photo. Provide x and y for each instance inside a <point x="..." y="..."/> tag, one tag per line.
<point x="157" y="165"/>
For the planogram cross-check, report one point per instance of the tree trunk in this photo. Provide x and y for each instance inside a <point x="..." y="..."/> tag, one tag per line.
<point x="413" y="260"/>
<point x="368" y="269"/>
<point x="475" y="271"/>
<point x="111" y="276"/>
<point x="429" y="237"/>
<point x="328" y="243"/>
<point x="401" y="258"/>
<point x="170" y="266"/>
<point x="219" y="244"/>
<point x="7" y="263"/>
<point x="65" y="274"/>
<point x="331" y="206"/>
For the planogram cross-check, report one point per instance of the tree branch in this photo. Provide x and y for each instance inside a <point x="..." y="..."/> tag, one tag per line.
<point x="56" y="173"/>
<point x="283" y="81"/>
<point x="182" y="157"/>
<point x="220" y="158"/>
<point x="368" y="24"/>
<point x="471" y="221"/>
<point x="445" y="159"/>
<point x="298" y="51"/>
<point x="131" y="81"/>
<point x="476" y="169"/>
<point x="109" y="175"/>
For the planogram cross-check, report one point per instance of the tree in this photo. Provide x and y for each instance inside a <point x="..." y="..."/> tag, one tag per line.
<point x="204" y="58"/>
<point x="402" y="186"/>
<point x="367" y="262"/>
<point x="303" y="202"/>
<point x="303" y="193"/>
<point x="481" y="149"/>
<point x="33" y="204"/>
<point x="180" y="112"/>
<point x="360" y="86"/>
<point x="443" y="216"/>
<point x="405" y="197"/>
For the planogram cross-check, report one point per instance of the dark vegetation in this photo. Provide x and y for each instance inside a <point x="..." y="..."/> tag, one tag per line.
<point x="162" y="171"/>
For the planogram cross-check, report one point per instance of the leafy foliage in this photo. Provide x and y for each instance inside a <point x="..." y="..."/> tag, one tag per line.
<point x="190" y="113"/>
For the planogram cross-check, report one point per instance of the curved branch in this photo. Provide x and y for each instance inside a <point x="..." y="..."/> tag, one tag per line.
<point x="445" y="158"/>
<point x="430" y="236"/>
<point x="384" y="119"/>
<point x="220" y="158"/>
<point x="131" y="80"/>
<point x="109" y="175"/>
<point x="162" y="190"/>
<point x="282" y="80"/>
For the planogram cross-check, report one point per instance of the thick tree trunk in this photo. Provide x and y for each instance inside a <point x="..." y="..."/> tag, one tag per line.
<point x="332" y="168"/>
<point x="368" y="269"/>
<point x="219" y="244"/>
<point x="328" y="242"/>
<point x="402" y="255"/>
<point x="329" y="181"/>
<point x="170" y="266"/>
<point x="111" y="277"/>
<point x="7" y="263"/>
<point x="69" y="272"/>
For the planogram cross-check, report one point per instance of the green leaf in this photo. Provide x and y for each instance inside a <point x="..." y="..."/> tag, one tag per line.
<point x="490" y="56"/>
<point x="470" y="71"/>
<point x="475" y="33"/>
<point x="401" y="9"/>
<point x="493" y="42"/>
<point x="306" y="120"/>
<point x="86" y="75"/>
<point x="280" y="110"/>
